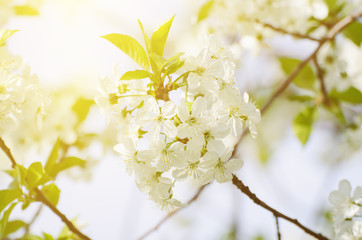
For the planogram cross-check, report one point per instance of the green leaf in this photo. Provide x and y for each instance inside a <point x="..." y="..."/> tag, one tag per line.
<point x="305" y="79"/>
<point x="48" y="236"/>
<point x="4" y="220"/>
<point x="81" y="108"/>
<point x="303" y="123"/>
<point x="172" y="64"/>
<point x="34" y="175"/>
<point x="52" y="159"/>
<point x="159" y="37"/>
<point x="137" y="74"/>
<point x="51" y="192"/>
<point x="351" y="95"/>
<point x="205" y="10"/>
<point x="131" y="47"/>
<point x="145" y="37"/>
<point x="70" y="162"/>
<point x="13" y="226"/>
<point x="5" y="34"/>
<point x="26" y="10"/>
<point x="7" y="196"/>
<point x="354" y="32"/>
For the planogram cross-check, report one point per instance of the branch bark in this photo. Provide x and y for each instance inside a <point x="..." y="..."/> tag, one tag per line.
<point x="245" y="189"/>
<point x="41" y="197"/>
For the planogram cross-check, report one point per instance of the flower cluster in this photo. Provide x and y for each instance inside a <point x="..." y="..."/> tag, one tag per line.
<point x="347" y="211"/>
<point x="177" y="128"/>
<point x="19" y="92"/>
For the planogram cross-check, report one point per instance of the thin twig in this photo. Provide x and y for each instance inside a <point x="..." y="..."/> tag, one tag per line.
<point x="282" y="30"/>
<point x="245" y="189"/>
<point x="278" y="229"/>
<point x="320" y="75"/>
<point x="170" y="214"/>
<point x="40" y="197"/>
<point x="7" y="152"/>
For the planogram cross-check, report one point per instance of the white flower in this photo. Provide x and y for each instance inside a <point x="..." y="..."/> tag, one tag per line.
<point x="220" y="167"/>
<point x="166" y="155"/>
<point x="152" y="114"/>
<point x="345" y="205"/>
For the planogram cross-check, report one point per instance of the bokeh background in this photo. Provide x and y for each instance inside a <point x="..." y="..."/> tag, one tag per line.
<point x="64" y="48"/>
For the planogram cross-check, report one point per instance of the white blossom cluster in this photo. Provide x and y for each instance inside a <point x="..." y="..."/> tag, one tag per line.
<point x="19" y="91"/>
<point x="347" y="211"/>
<point x="234" y="19"/>
<point x="184" y="138"/>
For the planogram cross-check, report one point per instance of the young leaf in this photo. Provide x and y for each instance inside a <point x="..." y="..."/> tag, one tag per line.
<point x="51" y="192"/>
<point x="305" y="79"/>
<point x="159" y="37"/>
<point x="147" y="40"/>
<point x="52" y="159"/>
<point x="48" y="236"/>
<point x="35" y="174"/>
<point x="81" y="108"/>
<point x="303" y="123"/>
<point x="351" y="95"/>
<point x="26" y="10"/>
<point x="5" y="219"/>
<point x="5" y="34"/>
<point x="131" y="47"/>
<point x="354" y="33"/>
<point x="205" y="10"/>
<point x="7" y="196"/>
<point x="13" y="226"/>
<point x="136" y="74"/>
<point x="70" y="162"/>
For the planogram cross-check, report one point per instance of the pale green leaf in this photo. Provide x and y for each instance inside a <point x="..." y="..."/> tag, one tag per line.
<point x="205" y="10"/>
<point x="131" y="47"/>
<point x="137" y="74"/>
<point x="5" y="218"/>
<point x="145" y="37"/>
<point x="26" y="10"/>
<point x="159" y="37"/>
<point x="354" y="32"/>
<point x="81" y="108"/>
<point x="52" y="159"/>
<point x="306" y="77"/>
<point x="34" y="174"/>
<point x="70" y="162"/>
<point x="48" y="237"/>
<point x="350" y="95"/>
<point x="13" y="226"/>
<point x="303" y="123"/>
<point x="5" y="34"/>
<point x="7" y="196"/>
<point x="51" y="192"/>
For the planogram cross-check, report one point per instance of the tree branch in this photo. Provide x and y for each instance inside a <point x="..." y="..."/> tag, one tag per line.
<point x="245" y="189"/>
<point x="40" y="197"/>
<point x="169" y="215"/>
<point x="282" y="30"/>
<point x="320" y="75"/>
<point x="277" y="225"/>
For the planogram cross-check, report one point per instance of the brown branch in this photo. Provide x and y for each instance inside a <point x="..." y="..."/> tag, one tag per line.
<point x="245" y="189"/>
<point x="7" y="152"/>
<point x="169" y="215"/>
<point x="40" y="196"/>
<point x="278" y="229"/>
<point x="282" y="30"/>
<point x="320" y="75"/>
